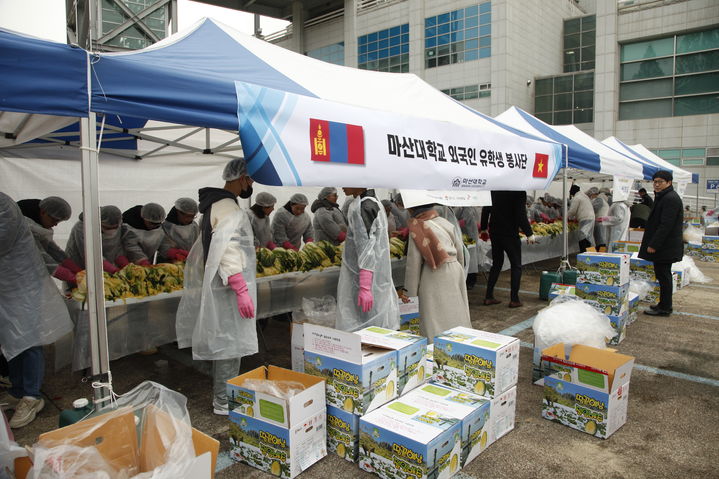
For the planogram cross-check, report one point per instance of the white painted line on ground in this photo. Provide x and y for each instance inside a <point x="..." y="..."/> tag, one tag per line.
<point x="703" y="286"/>
<point x="705" y="316"/>
<point x="519" y="327"/>
<point x="223" y="461"/>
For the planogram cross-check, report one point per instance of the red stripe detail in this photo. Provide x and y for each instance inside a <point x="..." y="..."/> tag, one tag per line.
<point x="355" y="144"/>
<point x="319" y="140"/>
<point x="564" y="362"/>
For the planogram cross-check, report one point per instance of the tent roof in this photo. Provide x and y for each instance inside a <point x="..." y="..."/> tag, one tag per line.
<point x="585" y="153"/>
<point x="649" y="158"/>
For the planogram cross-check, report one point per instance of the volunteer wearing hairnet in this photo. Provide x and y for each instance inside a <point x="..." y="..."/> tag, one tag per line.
<point x="146" y="222"/>
<point x="119" y="244"/>
<point x="391" y="223"/>
<point x="617" y="221"/>
<point x="365" y="293"/>
<point x="41" y="217"/>
<point x="32" y="313"/>
<point x="291" y="225"/>
<point x="435" y="272"/>
<point x="181" y="230"/>
<point x="468" y="218"/>
<point x="216" y="315"/>
<point x="601" y="209"/>
<point x="260" y="220"/>
<point x="581" y="209"/>
<point x="329" y="223"/>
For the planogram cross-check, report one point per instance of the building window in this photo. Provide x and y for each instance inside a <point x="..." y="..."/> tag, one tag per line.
<point x="579" y="43"/>
<point x="566" y="99"/>
<point x="684" y="156"/>
<point x="132" y="37"/>
<point x="331" y="53"/>
<point x="469" y="92"/>
<point x="385" y="50"/>
<point x="671" y="76"/>
<point x="458" y="36"/>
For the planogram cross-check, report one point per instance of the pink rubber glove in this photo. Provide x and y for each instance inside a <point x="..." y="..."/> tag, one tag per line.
<point x="484" y="236"/>
<point x="403" y="232"/>
<point x="174" y="254"/>
<point x="270" y="245"/>
<point x="544" y="217"/>
<point x="462" y="223"/>
<point x="109" y="267"/>
<point x="365" y="300"/>
<point x="67" y="263"/>
<point x="244" y="302"/>
<point x="143" y="262"/>
<point x="64" y="274"/>
<point x="341" y="237"/>
<point x="122" y="261"/>
<point x="288" y="245"/>
<point x="309" y="240"/>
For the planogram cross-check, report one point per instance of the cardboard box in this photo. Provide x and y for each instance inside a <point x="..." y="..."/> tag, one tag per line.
<point x="633" y="307"/>
<point x="636" y="235"/>
<point x="653" y="295"/>
<point x="409" y="316"/>
<point x="342" y="433"/>
<point x="603" y="268"/>
<point x="589" y="390"/>
<point x="625" y="247"/>
<point x="274" y="409"/>
<point x="710" y="242"/>
<point x="619" y="323"/>
<point x="610" y="300"/>
<point x="401" y="440"/>
<point x="429" y="371"/>
<point x="709" y="255"/>
<point x="682" y="275"/>
<point x="297" y="346"/>
<point x="275" y="434"/>
<point x="411" y="354"/>
<point x="130" y="447"/>
<point x="476" y="361"/>
<point x="694" y="249"/>
<point x="642" y="270"/>
<point x="359" y="377"/>
<point x="558" y="289"/>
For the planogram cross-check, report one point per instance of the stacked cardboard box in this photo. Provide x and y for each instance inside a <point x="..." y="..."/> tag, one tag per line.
<point x="694" y="250"/>
<point x="624" y="247"/>
<point x="643" y="270"/>
<point x="710" y="249"/>
<point x="273" y="433"/>
<point x="603" y="282"/>
<point x="363" y="371"/>
<point x="588" y="389"/>
<point x="559" y="289"/>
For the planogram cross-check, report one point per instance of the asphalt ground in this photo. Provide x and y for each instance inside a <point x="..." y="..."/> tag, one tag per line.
<point x="672" y="428"/>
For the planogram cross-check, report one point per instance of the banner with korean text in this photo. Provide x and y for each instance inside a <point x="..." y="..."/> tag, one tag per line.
<point x="295" y="140"/>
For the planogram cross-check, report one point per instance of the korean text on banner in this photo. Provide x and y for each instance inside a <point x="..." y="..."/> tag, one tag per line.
<point x="296" y="140"/>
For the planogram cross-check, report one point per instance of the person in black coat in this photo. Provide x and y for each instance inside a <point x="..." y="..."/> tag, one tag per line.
<point x="505" y="218"/>
<point x="646" y="199"/>
<point x="662" y="242"/>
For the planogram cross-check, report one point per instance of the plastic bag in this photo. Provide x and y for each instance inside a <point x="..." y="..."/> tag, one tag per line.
<point x="692" y="234"/>
<point x="148" y="426"/>
<point x="283" y="389"/>
<point x="570" y="320"/>
<point x="641" y="288"/>
<point x="695" y="274"/>
<point x="320" y="311"/>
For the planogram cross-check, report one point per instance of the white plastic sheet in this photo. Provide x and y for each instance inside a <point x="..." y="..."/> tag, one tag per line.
<point x="695" y="274"/>
<point x="571" y="321"/>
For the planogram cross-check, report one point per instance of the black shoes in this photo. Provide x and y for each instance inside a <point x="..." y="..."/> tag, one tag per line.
<point x="654" y="311"/>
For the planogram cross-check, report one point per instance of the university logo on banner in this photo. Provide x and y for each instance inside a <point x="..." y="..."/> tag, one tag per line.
<point x="336" y="142"/>
<point x="541" y="165"/>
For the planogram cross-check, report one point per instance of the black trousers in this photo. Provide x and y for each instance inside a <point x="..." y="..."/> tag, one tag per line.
<point x="584" y="244"/>
<point x="663" y="272"/>
<point x="513" y="248"/>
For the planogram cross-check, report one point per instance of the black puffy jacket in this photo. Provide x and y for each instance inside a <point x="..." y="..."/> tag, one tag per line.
<point x="664" y="229"/>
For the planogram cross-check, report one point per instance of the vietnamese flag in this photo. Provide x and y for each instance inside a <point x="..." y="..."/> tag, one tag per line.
<point x="336" y="142"/>
<point x="541" y="165"/>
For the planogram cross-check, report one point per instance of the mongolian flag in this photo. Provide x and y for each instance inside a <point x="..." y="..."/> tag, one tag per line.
<point x="336" y="142"/>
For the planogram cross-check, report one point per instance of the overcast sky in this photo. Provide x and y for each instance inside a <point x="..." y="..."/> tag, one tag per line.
<point x="189" y="12"/>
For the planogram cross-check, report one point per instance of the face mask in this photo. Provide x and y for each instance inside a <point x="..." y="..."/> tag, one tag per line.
<point x="244" y="194"/>
<point x="110" y="234"/>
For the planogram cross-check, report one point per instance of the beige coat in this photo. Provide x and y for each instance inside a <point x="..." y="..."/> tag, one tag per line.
<point x="442" y="292"/>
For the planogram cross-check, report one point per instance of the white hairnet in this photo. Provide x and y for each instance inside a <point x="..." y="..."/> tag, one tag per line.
<point x="606" y="191"/>
<point x="186" y="205"/>
<point x="593" y="191"/>
<point x="299" y="199"/>
<point x="153" y="212"/>
<point x="265" y="199"/>
<point x="110" y="215"/>
<point x="234" y="169"/>
<point x="56" y="207"/>
<point x="326" y="191"/>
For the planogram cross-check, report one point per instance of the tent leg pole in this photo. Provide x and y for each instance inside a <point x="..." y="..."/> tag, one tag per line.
<point x="565" y="227"/>
<point x="99" y="356"/>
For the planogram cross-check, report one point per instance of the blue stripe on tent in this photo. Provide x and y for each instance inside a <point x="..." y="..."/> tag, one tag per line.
<point x="579" y="156"/>
<point x="196" y="69"/>
<point x="26" y="87"/>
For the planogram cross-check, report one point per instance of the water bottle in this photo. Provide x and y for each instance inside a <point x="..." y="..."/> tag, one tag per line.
<point x="80" y="409"/>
